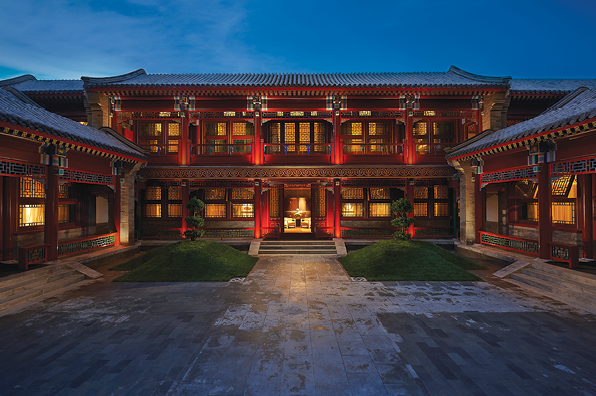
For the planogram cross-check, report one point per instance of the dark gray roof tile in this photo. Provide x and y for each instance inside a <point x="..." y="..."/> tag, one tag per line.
<point x="30" y="85"/>
<point x="549" y="85"/>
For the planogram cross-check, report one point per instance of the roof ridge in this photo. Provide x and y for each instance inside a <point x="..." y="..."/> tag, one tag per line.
<point x="17" y="80"/>
<point x="113" y="79"/>
<point x="478" y="77"/>
<point x="21" y="96"/>
<point x="566" y="100"/>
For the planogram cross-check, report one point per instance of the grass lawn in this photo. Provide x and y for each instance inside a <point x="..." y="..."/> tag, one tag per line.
<point x="187" y="261"/>
<point x="408" y="261"/>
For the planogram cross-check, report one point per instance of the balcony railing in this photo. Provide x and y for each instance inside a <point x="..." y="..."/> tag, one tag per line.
<point x="221" y="149"/>
<point x="507" y="242"/>
<point x="372" y="148"/>
<point x="297" y="149"/>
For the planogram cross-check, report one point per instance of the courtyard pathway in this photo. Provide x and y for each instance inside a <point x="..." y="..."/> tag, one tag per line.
<point x="298" y="326"/>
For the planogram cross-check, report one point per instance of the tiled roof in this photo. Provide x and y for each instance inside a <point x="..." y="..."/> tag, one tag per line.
<point x="550" y="85"/>
<point x="28" y="115"/>
<point x="30" y="85"/>
<point x="575" y="107"/>
<point x="453" y="78"/>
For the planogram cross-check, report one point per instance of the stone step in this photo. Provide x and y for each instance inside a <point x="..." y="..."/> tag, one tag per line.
<point x="292" y="243"/>
<point x="290" y="252"/>
<point x="30" y="274"/>
<point x="555" y="290"/>
<point x="566" y="273"/>
<point x="553" y="279"/>
<point x="294" y="247"/>
<point x="30" y="283"/>
<point x="27" y="295"/>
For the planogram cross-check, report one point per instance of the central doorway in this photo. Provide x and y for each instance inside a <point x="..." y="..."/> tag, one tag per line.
<point x="297" y="214"/>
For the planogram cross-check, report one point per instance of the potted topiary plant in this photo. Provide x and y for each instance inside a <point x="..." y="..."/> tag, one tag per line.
<point x="194" y="206"/>
<point x="402" y="207"/>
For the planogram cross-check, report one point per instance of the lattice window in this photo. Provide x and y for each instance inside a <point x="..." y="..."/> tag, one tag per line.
<point x="243" y="193"/>
<point x="31" y="188"/>
<point x="561" y="185"/>
<point x="215" y="194"/>
<point x="150" y="129"/>
<point x="421" y="193"/>
<point x="420" y="209"/>
<point x="153" y="193"/>
<point x="352" y="193"/>
<point x="441" y="209"/>
<point x="379" y="209"/>
<point x="319" y="135"/>
<point x="243" y="210"/>
<point x="152" y="210"/>
<point x="563" y="213"/>
<point x="216" y="129"/>
<point x="275" y="133"/>
<point x="215" y="210"/>
<point x="352" y="129"/>
<point x="274" y="202"/>
<point x="351" y="209"/>
<point x="420" y="128"/>
<point x="528" y="211"/>
<point x="174" y="210"/>
<point x="304" y="134"/>
<point x="378" y="128"/>
<point x="152" y="145"/>
<point x="444" y="128"/>
<point x="243" y="129"/>
<point x="290" y="135"/>
<point x="66" y="213"/>
<point x="524" y="188"/>
<point x="380" y="193"/>
<point x="31" y="215"/>
<point x="320" y="204"/>
<point x="441" y="192"/>
<point x="174" y="193"/>
<point x="173" y="129"/>
<point x="63" y="191"/>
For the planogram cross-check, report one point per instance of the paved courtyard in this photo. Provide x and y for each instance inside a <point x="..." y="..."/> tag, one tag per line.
<point x="298" y="326"/>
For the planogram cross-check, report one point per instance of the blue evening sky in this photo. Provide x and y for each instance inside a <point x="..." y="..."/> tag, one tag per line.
<point x="65" y="39"/>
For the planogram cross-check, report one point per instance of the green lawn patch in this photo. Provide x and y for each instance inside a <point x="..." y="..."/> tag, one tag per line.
<point x="408" y="261"/>
<point x="187" y="261"/>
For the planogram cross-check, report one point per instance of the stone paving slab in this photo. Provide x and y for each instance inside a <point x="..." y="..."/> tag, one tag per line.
<point x="298" y="326"/>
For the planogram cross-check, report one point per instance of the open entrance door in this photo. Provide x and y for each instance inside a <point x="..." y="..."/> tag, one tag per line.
<point x="297" y="215"/>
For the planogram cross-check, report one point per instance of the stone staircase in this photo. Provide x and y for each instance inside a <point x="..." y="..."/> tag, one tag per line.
<point x="297" y="247"/>
<point x="18" y="288"/>
<point x="561" y="283"/>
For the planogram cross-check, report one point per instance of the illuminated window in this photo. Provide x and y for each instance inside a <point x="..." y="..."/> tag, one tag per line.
<point x="173" y="129"/>
<point x="380" y="193"/>
<point x="174" y="193"/>
<point x="441" y="209"/>
<point x="441" y="192"/>
<point x="151" y="145"/>
<point x="563" y="213"/>
<point x="216" y="129"/>
<point x="319" y="137"/>
<point x="153" y="210"/>
<point x="525" y="188"/>
<point x="215" y="210"/>
<point x="215" y="194"/>
<point x="31" y="215"/>
<point x="243" y="210"/>
<point x="429" y="113"/>
<point x="153" y="193"/>
<point x="529" y="211"/>
<point x="378" y="128"/>
<point x="364" y="113"/>
<point x="376" y="209"/>
<point x="352" y="193"/>
<point x="420" y="128"/>
<point x="562" y="185"/>
<point x="420" y="209"/>
<point x="66" y="213"/>
<point x="147" y="129"/>
<point x="242" y="193"/>
<point x="165" y="114"/>
<point x="31" y="188"/>
<point x="63" y="191"/>
<point x="351" y="209"/>
<point x="243" y="129"/>
<point x="313" y="113"/>
<point x="421" y="192"/>
<point x="229" y="114"/>
<point x="352" y="129"/>
<point x="290" y="135"/>
<point x="174" y="210"/>
<point x="172" y="148"/>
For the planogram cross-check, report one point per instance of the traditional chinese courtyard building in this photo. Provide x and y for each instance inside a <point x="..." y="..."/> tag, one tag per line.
<point x="321" y="155"/>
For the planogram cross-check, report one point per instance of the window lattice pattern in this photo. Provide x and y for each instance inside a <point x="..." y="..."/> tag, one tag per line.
<point x="443" y="128"/>
<point x="63" y="191"/>
<point x="524" y="188"/>
<point x="441" y="192"/>
<point x="421" y="193"/>
<point x="563" y="213"/>
<point x="274" y="133"/>
<point x="319" y="204"/>
<point x="73" y="247"/>
<point x="66" y="213"/>
<point x="290" y="135"/>
<point x="216" y="129"/>
<point x="274" y="202"/>
<point x="215" y="210"/>
<point x="351" y="209"/>
<point x="304" y="134"/>
<point x="153" y="210"/>
<point x="174" y="210"/>
<point x="503" y="241"/>
<point x="243" y="129"/>
<point x="243" y="210"/>
<point x="31" y="215"/>
<point x="561" y="185"/>
<point x="354" y="128"/>
<point x="153" y="193"/>
<point x="529" y="211"/>
<point x="215" y="194"/>
<point x="420" y="128"/>
<point x="243" y="193"/>
<point x="319" y="132"/>
<point x="174" y="193"/>
<point x="420" y="209"/>
<point x="13" y="168"/>
<point x="352" y="193"/>
<point x="146" y="129"/>
<point x="379" y="209"/>
<point x="32" y="188"/>
<point x="380" y="193"/>
<point x="174" y="129"/>
<point x="378" y="128"/>
<point x="441" y="209"/>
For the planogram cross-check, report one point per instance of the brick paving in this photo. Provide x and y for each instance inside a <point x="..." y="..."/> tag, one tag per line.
<point x="298" y="326"/>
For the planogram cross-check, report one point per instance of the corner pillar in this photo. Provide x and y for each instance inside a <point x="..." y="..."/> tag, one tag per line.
<point x="50" y="230"/>
<point x="587" y="214"/>
<point x="98" y="110"/>
<point x="126" y="210"/>
<point x="467" y="206"/>
<point x="337" y="211"/>
<point x="545" y="231"/>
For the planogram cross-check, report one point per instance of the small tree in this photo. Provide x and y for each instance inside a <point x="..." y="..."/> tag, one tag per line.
<point x="402" y="207"/>
<point x="194" y="206"/>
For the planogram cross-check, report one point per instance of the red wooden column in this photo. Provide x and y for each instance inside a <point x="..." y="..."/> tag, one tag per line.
<point x="545" y="228"/>
<point x="410" y="185"/>
<point x="258" y="157"/>
<point x="337" y="211"/>
<point x="50" y="230"/>
<point x="118" y="207"/>
<point x="409" y="147"/>
<point x="258" y="209"/>
<point x="184" y="148"/>
<point x="10" y="213"/>
<point x="479" y="202"/>
<point x="587" y="214"/>
<point x="336" y="148"/>
<point x="185" y="192"/>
